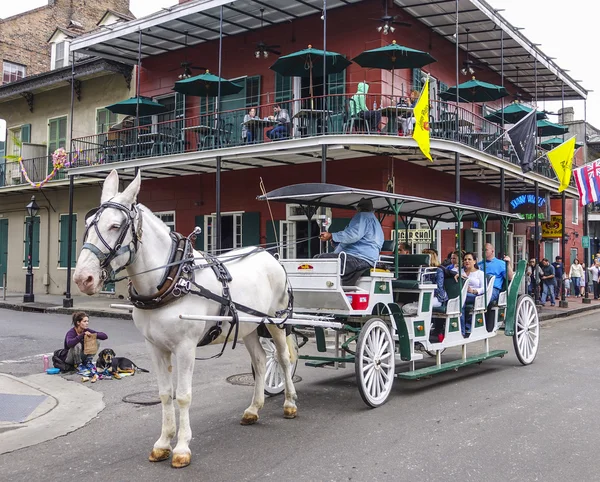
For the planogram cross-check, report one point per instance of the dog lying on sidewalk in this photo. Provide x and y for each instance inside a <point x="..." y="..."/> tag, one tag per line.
<point x="110" y="364"/>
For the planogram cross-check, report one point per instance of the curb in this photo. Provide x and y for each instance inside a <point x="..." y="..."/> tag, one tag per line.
<point x="552" y="316"/>
<point x="65" y="311"/>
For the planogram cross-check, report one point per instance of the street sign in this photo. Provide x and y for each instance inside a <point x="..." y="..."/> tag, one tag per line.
<point x="585" y="242"/>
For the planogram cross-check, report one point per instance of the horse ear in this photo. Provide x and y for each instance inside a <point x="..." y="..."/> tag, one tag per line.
<point x="131" y="193"/>
<point x="110" y="188"/>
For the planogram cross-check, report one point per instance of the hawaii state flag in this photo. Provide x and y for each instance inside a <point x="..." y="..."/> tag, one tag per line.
<point x="587" y="179"/>
<point x="421" y="129"/>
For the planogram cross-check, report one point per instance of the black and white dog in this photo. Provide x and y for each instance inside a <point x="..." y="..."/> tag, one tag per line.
<point x="111" y="364"/>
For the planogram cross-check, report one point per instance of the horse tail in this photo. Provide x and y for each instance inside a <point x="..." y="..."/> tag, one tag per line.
<point x="292" y="347"/>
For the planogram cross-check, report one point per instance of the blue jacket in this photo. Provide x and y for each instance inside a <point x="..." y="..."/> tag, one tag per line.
<point x="362" y="238"/>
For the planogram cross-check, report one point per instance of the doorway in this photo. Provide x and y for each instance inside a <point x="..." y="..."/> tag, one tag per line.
<point x="307" y="249"/>
<point x="3" y="249"/>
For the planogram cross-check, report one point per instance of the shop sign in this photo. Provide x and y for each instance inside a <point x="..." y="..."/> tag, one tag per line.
<point x="553" y="228"/>
<point x="415" y="235"/>
<point x="524" y="206"/>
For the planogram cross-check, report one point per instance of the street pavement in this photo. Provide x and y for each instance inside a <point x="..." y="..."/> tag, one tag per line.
<point x="497" y="421"/>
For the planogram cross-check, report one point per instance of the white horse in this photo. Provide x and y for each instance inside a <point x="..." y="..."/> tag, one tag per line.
<point x="124" y="234"/>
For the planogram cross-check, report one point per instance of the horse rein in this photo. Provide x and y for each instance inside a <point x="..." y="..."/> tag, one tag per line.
<point x="105" y="258"/>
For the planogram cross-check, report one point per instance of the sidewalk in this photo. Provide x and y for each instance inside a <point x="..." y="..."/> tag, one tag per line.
<point x="42" y="407"/>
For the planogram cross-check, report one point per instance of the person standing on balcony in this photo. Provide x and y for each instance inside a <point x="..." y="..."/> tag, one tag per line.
<point x="408" y="122"/>
<point x="559" y="271"/>
<point x="281" y="129"/>
<point x="249" y="133"/>
<point x="358" y="107"/>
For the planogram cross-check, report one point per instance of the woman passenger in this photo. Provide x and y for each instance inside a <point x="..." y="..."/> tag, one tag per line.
<point x="439" y="294"/>
<point x="472" y="275"/>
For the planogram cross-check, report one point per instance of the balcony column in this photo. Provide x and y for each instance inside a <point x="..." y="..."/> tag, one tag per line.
<point x="563" y="303"/>
<point x="586" y="230"/>
<point x="536" y="239"/>
<point x="325" y="92"/>
<point x="218" y="244"/>
<point x="68" y="301"/>
<point x="503" y="233"/>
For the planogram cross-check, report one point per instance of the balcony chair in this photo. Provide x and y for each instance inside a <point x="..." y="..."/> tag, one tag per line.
<point x="352" y="122"/>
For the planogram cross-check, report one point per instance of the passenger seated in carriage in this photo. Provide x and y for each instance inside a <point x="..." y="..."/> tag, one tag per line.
<point x="439" y="294"/>
<point x="404" y="248"/>
<point x="501" y="269"/>
<point x="472" y="275"/>
<point x="361" y="241"/>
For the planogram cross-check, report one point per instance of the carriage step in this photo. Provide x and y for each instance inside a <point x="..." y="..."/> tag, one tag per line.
<point x="448" y="366"/>
<point x="321" y="361"/>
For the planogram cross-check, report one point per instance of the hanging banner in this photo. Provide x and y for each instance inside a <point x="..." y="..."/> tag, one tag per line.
<point x="552" y="228"/>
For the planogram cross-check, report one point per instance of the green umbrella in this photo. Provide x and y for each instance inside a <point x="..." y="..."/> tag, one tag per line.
<point x="475" y="91"/>
<point x="547" y="128"/>
<point x="555" y="142"/>
<point x="129" y="107"/>
<point x="513" y="113"/>
<point x="206" y="85"/>
<point x="393" y="56"/>
<point x="308" y="63"/>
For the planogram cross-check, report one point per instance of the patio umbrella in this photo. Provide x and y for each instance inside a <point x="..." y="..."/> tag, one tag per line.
<point x="129" y="107"/>
<point x="554" y="142"/>
<point x="308" y="63"/>
<point x="207" y="85"/>
<point x="475" y="91"/>
<point x="547" y="128"/>
<point x="392" y="57"/>
<point x="513" y="113"/>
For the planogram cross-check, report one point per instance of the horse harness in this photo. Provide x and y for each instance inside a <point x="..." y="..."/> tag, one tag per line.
<point x="179" y="278"/>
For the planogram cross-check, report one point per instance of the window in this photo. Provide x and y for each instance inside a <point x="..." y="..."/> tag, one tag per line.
<point x="57" y="134"/>
<point x="575" y="218"/>
<point x="231" y="232"/>
<point x="12" y="72"/>
<point x="35" y="262"/>
<point x="104" y="119"/>
<point x="60" y="52"/>
<point x="63" y="241"/>
<point x="167" y="217"/>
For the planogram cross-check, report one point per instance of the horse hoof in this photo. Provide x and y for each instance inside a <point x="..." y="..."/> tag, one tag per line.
<point x="290" y="412"/>
<point x="249" y="419"/>
<point x="158" y="455"/>
<point x="181" y="460"/>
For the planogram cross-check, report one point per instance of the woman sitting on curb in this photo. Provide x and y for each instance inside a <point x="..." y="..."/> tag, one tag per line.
<point x="74" y="344"/>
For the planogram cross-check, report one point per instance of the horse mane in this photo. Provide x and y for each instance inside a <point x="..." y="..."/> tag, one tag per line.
<point x="154" y="220"/>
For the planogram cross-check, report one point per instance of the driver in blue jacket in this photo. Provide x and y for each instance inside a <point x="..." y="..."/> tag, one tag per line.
<point x="361" y="241"/>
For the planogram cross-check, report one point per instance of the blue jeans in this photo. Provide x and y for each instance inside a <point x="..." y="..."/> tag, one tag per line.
<point x="249" y="137"/>
<point x="548" y="292"/>
<point x="576" y="285"/>
<point x="465" y="324"/>
<point x="278" y="132"/>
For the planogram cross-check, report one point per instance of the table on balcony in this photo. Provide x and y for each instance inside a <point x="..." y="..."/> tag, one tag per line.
<point x="257" y="127"/>
<point x="309" y="119"/>
<point x="392" y="114"/>
<point x="157" y="142"/>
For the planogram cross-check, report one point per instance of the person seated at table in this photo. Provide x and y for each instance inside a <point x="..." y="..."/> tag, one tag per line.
<point x="358" y="107"/>
<point x="361" y="241"/>
<point x="408" y="121"/>
<point x="249" y="133"/>
<point x="281" y="130"/>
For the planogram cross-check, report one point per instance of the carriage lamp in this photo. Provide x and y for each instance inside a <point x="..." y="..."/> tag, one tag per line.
<point x="32" y="210"/>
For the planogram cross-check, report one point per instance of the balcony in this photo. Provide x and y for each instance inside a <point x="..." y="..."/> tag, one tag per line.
<point x="37" y="169"/>
<point x="310" y="118"/>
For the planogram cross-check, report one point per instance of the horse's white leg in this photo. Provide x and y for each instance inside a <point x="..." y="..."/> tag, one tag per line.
<point x="283" y="356"/>
<point x="185" y="354"/>
<point x="258" y="358"/>
<point x="161" y="361"/>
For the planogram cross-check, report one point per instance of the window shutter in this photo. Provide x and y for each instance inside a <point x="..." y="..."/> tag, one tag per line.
<point x="271" y="231"/>
<point x="26" y="133"/>
<point x="64" y="241"/>
<point x="250" y="229"/>
<point x="468" y="241"/>
<point x="199" y="221"/>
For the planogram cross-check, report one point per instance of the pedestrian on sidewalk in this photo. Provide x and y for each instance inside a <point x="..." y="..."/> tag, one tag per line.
<point x="577" y="275"/>
<point x="594" y="270"/>
<point x="559" y="271"/>
<point x="74" y="342"/>
<point x="548" y="282"/>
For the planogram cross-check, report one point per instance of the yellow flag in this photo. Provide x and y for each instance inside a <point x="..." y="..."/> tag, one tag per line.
<point x="421" y="129"/>
<point x="561" y="158"/>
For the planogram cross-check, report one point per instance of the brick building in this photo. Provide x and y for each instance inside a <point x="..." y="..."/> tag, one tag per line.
<point x="25" y="49"/>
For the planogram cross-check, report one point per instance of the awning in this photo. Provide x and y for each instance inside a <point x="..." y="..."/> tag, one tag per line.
<point x="342" y="197"/>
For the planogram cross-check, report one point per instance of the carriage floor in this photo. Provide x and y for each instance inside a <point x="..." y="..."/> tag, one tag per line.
<point x="453" y="365"/>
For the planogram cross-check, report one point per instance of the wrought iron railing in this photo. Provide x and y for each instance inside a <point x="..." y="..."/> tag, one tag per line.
<point x="36" y="168"/>
<point x="328" y="115"/>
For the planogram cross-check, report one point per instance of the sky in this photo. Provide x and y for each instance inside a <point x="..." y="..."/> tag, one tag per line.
<point x="565" y="30"/>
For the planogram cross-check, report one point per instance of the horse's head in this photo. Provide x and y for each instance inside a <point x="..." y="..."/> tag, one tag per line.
<point x="111" y="236"/>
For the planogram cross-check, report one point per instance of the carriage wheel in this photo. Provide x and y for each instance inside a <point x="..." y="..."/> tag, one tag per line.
<point x="274" y="377"/>
<point x="374" y="363"/>
<point x="526" y="339"/>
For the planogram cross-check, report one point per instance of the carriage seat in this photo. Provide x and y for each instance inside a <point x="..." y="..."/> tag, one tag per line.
<point x="410" y="271"/>
<point x="455" y="297"/>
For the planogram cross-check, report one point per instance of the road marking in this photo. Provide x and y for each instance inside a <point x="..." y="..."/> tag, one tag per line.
<point x="26" y="359"/>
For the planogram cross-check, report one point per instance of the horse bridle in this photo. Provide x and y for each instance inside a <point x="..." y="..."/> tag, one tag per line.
<point x="105" y="258"/>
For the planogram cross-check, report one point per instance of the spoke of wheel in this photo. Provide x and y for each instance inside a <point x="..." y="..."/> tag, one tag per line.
<point x="369" y="379"/>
